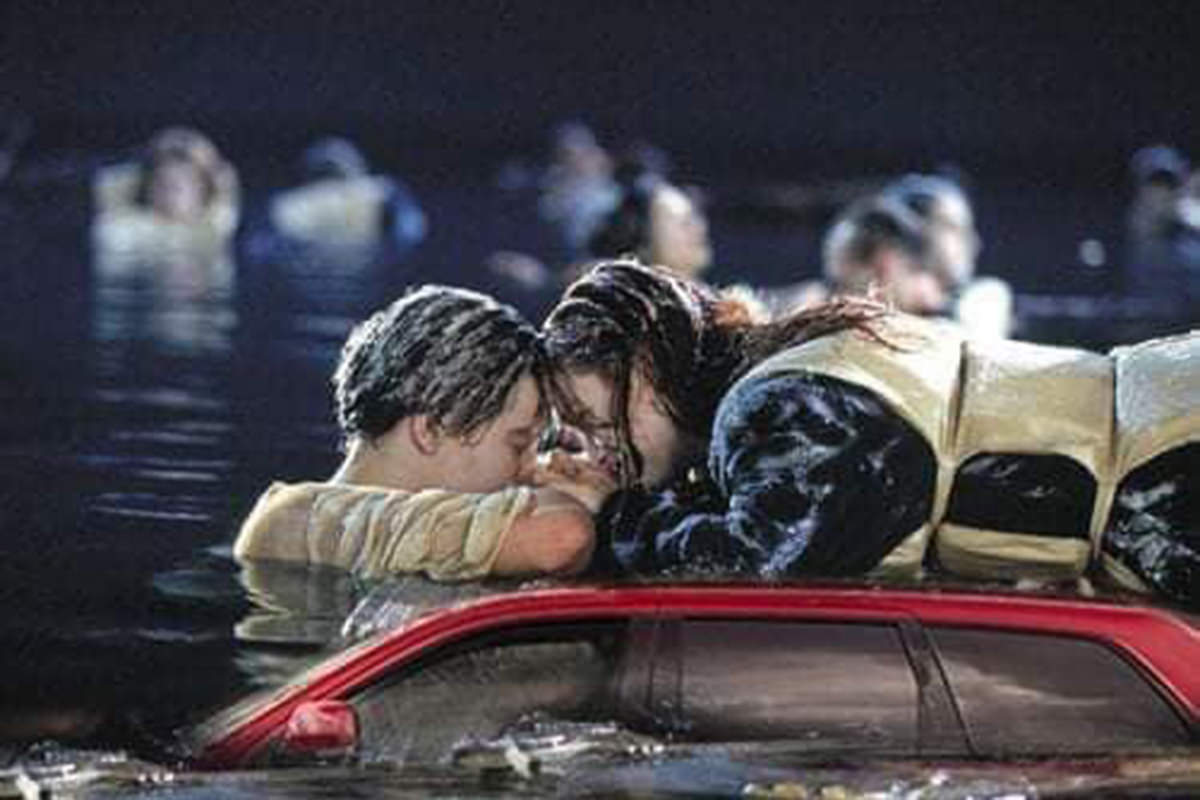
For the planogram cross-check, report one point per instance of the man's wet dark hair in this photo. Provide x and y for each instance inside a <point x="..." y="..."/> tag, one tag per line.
<point x="689" y="342"/>
<point x="868" y="226"/>
<point x="452" y="354"/>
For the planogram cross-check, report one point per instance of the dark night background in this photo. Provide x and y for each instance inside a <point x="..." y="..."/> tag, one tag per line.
<point x="761" y="88"/>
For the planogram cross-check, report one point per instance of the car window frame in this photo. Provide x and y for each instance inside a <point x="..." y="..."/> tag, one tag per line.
<point x="540" y="631"/>
<point x="1148" y="679"/>
<point x="940" y="731"/>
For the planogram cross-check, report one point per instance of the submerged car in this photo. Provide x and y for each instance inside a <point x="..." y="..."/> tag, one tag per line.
<point x="820" y="673"/>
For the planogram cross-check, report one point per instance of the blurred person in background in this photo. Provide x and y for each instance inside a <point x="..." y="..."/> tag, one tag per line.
<point x="983" y="306"/>
<point x="878" y="246"/>
<point x="579" y="186"/>
<point x="1159" y="173"/>
<point x="658" y="223"/>
<point x="180" y="192"/>
<point x="1164" y="226"/>
<point x="589" y="192"/>
<point x="341" y="203"/>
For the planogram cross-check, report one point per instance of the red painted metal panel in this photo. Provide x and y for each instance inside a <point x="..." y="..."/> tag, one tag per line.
<point x="1165" y="646"/>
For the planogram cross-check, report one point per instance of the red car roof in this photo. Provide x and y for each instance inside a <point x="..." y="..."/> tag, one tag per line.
<point x="1160" y="642"/>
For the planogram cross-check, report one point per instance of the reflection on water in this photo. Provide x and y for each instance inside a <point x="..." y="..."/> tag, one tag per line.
<point x="707" y="771"/>
<point x="178" y="297"/>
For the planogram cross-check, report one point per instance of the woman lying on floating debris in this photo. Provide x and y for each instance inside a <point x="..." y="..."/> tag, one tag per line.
<point x="848" y="440"/>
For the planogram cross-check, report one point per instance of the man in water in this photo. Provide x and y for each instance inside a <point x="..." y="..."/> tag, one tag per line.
<point x="439" y="401"/>
<point x="879" y="243"/>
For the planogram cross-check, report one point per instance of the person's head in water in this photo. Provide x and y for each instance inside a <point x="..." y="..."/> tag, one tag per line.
<point x="1159" y="175"/>
<point x="879" y="244"/>
<point x="441" y="388"/>
<point x="1189" y="202"/>
<point x="183" y="174"/>
<point x="642" y="357"/>
<point x="945" y="210"/>
<point x="658" y="223"/>
<point x="333" y="158"/>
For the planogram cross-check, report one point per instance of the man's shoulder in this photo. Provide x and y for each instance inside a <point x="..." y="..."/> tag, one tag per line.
<point x="279" y="519"/>
<point x="281" y="496"/>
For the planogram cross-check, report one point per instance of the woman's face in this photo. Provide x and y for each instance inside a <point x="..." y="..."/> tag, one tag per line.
<point x="652" y="431"/>
<point x="177" y="191"/>
<point x="678" y="233"/>
<point x="954" y="239"/>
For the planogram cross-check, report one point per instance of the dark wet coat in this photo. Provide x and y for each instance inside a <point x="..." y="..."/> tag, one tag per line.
<point x="806" y="475"/>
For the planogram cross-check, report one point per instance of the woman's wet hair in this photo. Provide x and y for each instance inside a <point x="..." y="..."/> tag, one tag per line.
<point x="451" y="354"/>
<point x="689" y="342"/>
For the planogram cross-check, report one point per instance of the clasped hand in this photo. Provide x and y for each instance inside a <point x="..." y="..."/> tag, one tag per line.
<point x="577" y="466"/>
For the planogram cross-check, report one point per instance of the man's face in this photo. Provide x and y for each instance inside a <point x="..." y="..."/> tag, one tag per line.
<point x="502" y="452"/>
<point x="653" y="432"/>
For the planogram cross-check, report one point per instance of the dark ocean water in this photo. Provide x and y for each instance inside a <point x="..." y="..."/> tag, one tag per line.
<point x="146" y="406"/>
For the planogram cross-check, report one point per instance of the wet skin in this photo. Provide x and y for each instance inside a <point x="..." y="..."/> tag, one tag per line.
<point x="678" y="233"/>
<point x="502" y="453"/>
<point x="652" y="431"/>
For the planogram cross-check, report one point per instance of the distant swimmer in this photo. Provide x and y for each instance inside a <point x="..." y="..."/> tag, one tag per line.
<point x="579" y="186"/>
<point x="915" y="245"/>
<point x="342" y="203"/>
<point x="1163" y="258"/>
<point x="879" y="245"/>
<point x="657" y="222"/>
<point x="982" y="305"/>
<point x="180" y="193"/>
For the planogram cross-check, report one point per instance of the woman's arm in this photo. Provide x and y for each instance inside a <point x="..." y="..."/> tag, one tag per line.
<point x="811" y="475"/>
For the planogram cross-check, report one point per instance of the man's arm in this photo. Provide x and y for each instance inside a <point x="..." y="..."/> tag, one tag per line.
<point x="445" y="534"/>
<point x="274" y="529"/>
<point x="556" y="537"/>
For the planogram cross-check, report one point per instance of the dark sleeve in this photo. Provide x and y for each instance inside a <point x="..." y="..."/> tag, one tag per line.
<point x="810" y="475"/>
<point x="1154" y="526"/>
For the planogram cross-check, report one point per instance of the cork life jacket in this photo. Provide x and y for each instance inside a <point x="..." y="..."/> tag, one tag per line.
<point x="1049" y="460"/>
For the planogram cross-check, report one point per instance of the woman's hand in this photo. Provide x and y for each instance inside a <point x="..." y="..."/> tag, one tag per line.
<point x="583" y="474"/>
